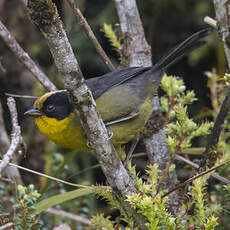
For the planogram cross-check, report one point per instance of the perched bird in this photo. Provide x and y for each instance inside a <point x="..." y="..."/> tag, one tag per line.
<point x="123" y="98"/>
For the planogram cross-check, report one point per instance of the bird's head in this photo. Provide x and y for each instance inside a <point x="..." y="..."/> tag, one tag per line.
<point x="51" y="112"/>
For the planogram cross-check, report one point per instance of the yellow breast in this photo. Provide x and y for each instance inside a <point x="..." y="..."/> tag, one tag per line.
<point x="65" y="133"/>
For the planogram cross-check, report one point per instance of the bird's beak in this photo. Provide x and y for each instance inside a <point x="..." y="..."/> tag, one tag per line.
<point x="34" y="112"/>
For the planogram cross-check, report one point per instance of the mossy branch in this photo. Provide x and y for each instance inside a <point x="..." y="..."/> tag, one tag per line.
<point x="45" y="16"/>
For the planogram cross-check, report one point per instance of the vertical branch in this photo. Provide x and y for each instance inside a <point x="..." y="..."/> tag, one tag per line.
<point x="136" y="52"/>
<point x="16" y="135"/>
<point x="12" y="172"/>
<point x="45" y="16"/>
<point x="223" y="21"/>
<point x="222" y="15"/>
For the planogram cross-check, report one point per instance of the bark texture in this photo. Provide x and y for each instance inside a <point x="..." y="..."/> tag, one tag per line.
<point x="44" y="15"/>
<point x="137" y="52"/>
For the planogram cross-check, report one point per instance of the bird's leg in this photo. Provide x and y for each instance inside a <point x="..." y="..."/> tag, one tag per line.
<point x="131" y="150"/>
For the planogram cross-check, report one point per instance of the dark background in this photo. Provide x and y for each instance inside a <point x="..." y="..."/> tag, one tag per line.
<point x="165" y="22"/>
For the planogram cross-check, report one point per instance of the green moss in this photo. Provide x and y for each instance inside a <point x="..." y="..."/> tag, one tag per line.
<point x="42" y="12"/>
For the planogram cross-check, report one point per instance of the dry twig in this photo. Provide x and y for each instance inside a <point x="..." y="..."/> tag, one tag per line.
<point x="49" y="177"/>
<point x="6" y="226"/>
<point x="210" y="21"/>
<point x="20" y="96"/>
<point x="181" y="185"/>
<point x="12" y="172"/>
<point x="16" y="135"/>
<point x="25" y="59"/>
<point x="62" y="227"/>
<point x="196" y="166"/>
<point x="84" y="23"/>
<point x="69" y="215"/>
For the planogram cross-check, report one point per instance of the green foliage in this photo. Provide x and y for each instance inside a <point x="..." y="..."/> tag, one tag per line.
<point x="172" y="86"/>
<point x="106" y="193"/>
<point x="60" y="198"/>
<point x="110" y="34"/>
<point x="150" y="204"/>
<point x="203" y="216"/>
<point x="92" y="64"/>
<point x="198" y="192"/>
<point x="211" y="223"/>
<point x="99" y="222"/>
<point x="25" y="207"/>
<point x="180" y="129"/>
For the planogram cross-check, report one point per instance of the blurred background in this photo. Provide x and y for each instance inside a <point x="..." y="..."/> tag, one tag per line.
<point x="165" y="22"/>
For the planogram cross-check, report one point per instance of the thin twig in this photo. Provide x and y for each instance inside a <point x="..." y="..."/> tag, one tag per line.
<point x="84" y="170"/>
<point x="16" y="135"/>
<point x="194" y="178"/>
<point x="6" y="226"/>
<point x="49" y="177"/>
<point x="210" y="21"/>
<point x="132" y="148"/>
<point x="91" y="35"/>
<point x="170" y="162"/>
<point x="25" y="59"/>
<point x="62" y="227"/>
<point x="196" y="166"/>
<point x="20" y="96"/>
<point x="69" y="215"/>
<point x="12" y="173"/>
<point x="210" y="154"/>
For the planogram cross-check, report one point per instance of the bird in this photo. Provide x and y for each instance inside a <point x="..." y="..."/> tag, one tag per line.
<point x="123" y="99"/>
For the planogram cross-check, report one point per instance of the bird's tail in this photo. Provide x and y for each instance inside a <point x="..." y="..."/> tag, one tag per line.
<point x="193" y="42"/>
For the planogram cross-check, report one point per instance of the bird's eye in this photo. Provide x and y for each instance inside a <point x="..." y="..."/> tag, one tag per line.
<point x="50" y="108"/>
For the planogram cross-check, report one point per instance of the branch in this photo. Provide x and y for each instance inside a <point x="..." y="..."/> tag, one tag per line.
<point x="136" y="51"/>
<point x="44" y="15"/>
<point x="154" y="138"/>
<point x="6" y="226"/>
<point x="16" y="135"/>
<point x="62" y="227"/>
<point x="25" y="59"/>
<point x="222" y="16"/>
<point x="11" y="172"/>
<point x="69" y="215"/>
<point x="47" y="176"/>
<point x="196" y="166"/>
<point x="92" y="37"/>
<point x="181" y="185"/>
<point x="20" y="96"/>
<point x="210" y="154"/>
<point x="210" y="21"/>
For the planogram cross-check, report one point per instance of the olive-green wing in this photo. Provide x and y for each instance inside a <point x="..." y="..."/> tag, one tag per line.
<point x="116" y="101"/>
<point x="119" y="104"/>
